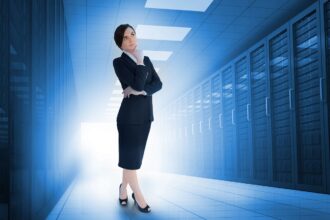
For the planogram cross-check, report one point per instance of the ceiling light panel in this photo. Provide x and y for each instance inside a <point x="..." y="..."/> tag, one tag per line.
<point x="154" y="32"/>
<point x="158" y="55"/>
<point x="191" y="5"/>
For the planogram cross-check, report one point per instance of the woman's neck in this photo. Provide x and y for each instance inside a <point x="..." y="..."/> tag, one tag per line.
<point x="128" y="51"/>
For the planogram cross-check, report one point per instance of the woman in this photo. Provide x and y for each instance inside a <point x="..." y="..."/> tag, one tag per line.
<point x="139" y="81"/>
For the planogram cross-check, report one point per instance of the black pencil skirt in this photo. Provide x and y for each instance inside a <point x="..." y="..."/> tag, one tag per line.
<point x="132" y="142"/>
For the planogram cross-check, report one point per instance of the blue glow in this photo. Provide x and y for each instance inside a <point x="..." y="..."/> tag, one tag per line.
<point x="244" y="98"/>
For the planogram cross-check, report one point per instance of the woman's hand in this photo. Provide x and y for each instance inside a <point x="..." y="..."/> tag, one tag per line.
<point x="138" y="54"/>
<point x="129" y="91"/>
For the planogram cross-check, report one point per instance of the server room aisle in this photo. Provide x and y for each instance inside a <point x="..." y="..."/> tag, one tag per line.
<point x="184" y="197"/>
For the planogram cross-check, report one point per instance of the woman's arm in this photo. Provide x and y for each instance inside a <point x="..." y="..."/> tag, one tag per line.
<point x="129" y="91"/>
<point x="135" y="80"/>
<point x="155" y="84"/>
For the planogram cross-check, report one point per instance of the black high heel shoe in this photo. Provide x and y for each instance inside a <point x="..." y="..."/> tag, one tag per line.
<point x="122" y="202"/>
<point x="146" y="209"/>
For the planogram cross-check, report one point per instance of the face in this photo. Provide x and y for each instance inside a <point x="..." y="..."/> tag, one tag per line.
<point x="129" y="40"/>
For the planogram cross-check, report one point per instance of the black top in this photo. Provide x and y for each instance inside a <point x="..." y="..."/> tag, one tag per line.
<point x="136" y="109"/>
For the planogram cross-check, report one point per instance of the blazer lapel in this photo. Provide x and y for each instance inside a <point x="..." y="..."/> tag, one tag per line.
<point x="127" y="59"/>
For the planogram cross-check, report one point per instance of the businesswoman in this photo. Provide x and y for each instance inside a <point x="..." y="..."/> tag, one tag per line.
<point x="139" y="81"/>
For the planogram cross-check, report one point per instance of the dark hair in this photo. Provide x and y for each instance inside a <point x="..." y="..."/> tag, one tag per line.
<point x="119" y="33"/>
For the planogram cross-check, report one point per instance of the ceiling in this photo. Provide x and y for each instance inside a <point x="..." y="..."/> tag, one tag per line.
<point x="216" y="35"/>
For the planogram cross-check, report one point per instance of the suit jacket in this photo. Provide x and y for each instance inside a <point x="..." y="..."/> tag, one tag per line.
<point x="136" y="109"/>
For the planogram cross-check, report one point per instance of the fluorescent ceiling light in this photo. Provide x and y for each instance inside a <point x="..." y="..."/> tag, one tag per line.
<point x="153" y="32"/>
<point x="158" y="55"/>
<point x="191" y="5"/>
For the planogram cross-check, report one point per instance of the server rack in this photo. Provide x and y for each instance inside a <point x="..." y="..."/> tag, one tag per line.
<point x="206" y="129"/>
<point x="325" y="28"/>
<point x="172" y="140"/>
<point x="179" y="133"/>
<point x="166" y="145"/>
<point x="28" y="115"/>
<point x="260" y="111"/>
<point x="286" y="125"/>
<point x="185" y="130"/>
<point x="243" y="118"/>
<point x="20" y="108"/>
<point x="190" y="148"/>
<point x="281" y="91"/>
<point x="217" y="126"/>
<point x="228" y="122"/>
<point x="198" y="148"/>
<point x="4" y="110"/>
<point x="308" y="106"/>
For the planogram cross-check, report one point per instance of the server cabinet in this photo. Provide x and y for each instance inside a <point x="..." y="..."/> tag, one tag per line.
<point x="176" y="135"/>
<point x="179" y="141"/>
<point x="29" y="127"/>
<point x="325" y="5"/>
<point x="308" y="78"/>
<point x="243" y="108"/>
<point x="281" y="120"/>
<point x="217" y="126"/>
<point x="20" y="108"/>
<point x="172" y="140"/>
<point x="260" y="111"/>
<point x="206" y="129"/>
<point x="167" y="147"/>
<point x="28" y="89"/>
<point x="191" y="132"/>
<point x="38" y="175"/>
<point x="185" y="141"/>
<point x="4" y="110"/>
<point x="198" y="151"/>
<point x="281" y="107"/>
<point x="228" y="106"/>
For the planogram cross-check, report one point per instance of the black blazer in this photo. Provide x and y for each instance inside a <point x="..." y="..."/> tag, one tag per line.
<point x="136" y="109"/>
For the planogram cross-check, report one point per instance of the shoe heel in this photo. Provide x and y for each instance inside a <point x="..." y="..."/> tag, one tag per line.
<point x="146" y="209"/>
<point x="121" y="201"/>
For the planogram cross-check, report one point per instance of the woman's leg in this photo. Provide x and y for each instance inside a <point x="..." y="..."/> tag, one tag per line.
<point x="123" y="189"/>
<point x="130" y="177"/>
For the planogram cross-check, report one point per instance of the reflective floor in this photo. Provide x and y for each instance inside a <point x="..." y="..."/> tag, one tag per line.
<point x="183" y="197"/>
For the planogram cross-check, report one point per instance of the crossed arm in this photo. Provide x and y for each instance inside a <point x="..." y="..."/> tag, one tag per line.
<point x="137" y="81"/>
<point x="129" y="91"/>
